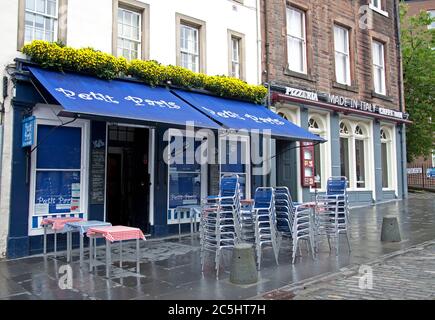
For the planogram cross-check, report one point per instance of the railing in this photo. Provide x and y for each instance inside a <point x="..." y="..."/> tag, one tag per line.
<point x="418" y="178"/>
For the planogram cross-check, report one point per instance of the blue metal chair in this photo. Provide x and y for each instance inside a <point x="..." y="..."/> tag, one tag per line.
<point x="219" y="225"/>
<point x="265" y="222"/>
<point x="336" y="188"/>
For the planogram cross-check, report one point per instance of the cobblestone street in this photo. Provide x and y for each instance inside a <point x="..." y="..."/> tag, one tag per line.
<point x="407" y="274"/>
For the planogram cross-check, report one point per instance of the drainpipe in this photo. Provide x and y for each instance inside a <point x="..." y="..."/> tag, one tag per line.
<point x="401" y="100"/>
<point x="258" y="19"/>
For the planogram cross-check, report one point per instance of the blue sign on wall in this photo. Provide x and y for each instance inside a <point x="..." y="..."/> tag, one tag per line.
<point x="430" y="172"/>
<point x="28" y="132"/>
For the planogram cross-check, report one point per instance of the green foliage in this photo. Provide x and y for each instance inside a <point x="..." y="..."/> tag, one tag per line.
<point x="62" y="58"/>
<point x="418" y="43"/>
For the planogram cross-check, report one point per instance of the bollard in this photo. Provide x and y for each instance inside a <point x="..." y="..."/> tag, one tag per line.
<point x="243" y="268"/>
<point x="390" y="230"/>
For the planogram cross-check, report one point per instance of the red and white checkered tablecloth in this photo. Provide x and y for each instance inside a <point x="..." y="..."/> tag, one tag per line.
<point x="59" y="223"/>
<point x="117" y="233"/>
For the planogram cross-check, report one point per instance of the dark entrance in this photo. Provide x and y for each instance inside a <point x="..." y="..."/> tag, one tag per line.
<point x="286" y="167"/>
<point x="128" y="180"/>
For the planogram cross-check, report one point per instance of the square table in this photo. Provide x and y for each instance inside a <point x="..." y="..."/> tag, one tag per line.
<point x="56" y="224"/>
<point x="81" y="227"/>
<point x="113" y="234"/>
<point x="193" y="212"/>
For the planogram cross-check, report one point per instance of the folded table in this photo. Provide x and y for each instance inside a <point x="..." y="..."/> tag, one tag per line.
<point x="81" y="227"/>
<point x="113" y="234"/>
<point x="56" y="224"/>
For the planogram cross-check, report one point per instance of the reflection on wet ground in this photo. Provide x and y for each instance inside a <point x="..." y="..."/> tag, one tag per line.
<point x="170" y="268"/>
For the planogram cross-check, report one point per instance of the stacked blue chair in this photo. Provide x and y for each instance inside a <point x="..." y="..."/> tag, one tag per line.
<point x="332" y="219"/>
<point x="302" y="230"/>
<point x="284" y="211"/>
<point x="219" y="225"/>
<point x="336" y="189"/>
<point x="265" y="222"/>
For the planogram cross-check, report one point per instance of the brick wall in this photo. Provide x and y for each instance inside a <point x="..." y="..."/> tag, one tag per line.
<point x="416" y="6"/>
<point x="320" y="18"/>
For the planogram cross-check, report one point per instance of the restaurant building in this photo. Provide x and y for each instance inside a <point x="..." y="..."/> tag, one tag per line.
<point x="335" y="69"/>
<point x="77" y="145"/>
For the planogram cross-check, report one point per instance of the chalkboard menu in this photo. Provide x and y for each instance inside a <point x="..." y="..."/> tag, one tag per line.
<point x="97" y="172"/>
<point x="214" y="178"/>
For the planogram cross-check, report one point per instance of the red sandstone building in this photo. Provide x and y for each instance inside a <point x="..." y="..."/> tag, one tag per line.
<point x="335" y="68"/>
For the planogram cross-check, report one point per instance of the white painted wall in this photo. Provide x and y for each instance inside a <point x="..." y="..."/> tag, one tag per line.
<point x="90" y="24"/>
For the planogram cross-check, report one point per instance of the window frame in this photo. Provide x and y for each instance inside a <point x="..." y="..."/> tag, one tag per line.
<point x="247" y="141"/>
<point x="323" y="131"/>
<point x="203" y="167"/>
<point x="181" y="19"/>
<point x="143" y="10"/>
<point x="375" y="67"/>
<point x="368" y="152"/>
<point x="59" y="33"/>
<point x="348" y="74"/>
<point x="302" y="39"/>
<point x="137" y="41"/>
<point x="431" y="13"/>
<point x="84" y="169"/>
<point x="240" y="37"/>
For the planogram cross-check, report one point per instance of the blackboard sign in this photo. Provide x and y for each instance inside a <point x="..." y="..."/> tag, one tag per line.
<point x="97" y="172"/>
<point x="214" y="179"/>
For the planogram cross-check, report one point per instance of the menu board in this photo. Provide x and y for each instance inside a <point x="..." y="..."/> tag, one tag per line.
<point x="97" y="172"/>
<point x="214" y="179"/>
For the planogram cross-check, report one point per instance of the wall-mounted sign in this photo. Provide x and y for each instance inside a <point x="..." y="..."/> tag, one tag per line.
<point x="307" y="164"/>
<point x="28" y="132"/>
<point x="341" y="101"/>
<point x="308" y="95"/>
<point x="361" y="105"/>
<point x="415" y="170"/>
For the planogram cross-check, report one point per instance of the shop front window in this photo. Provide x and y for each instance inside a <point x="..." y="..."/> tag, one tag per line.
<point x="234" y="159"/>
<point x="316" y="126"/>
<point x="344" y="157"/>
<point x="58" y="182"/>
<point x="385" y="154"/>
<point x="184" y="173"/>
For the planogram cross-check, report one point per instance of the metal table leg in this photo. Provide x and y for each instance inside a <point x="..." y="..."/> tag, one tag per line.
<point x="120" y="254"/>
<point x="90" y="254"/>
<point x="108" y="258"/>
<point x="45" y="239"/>
<point x="81" y="249"/>
<point x="137" y="256"/>
<point x="68" y="246"/>
<point x="55" y="243"/>
<point x="179" y="225"/>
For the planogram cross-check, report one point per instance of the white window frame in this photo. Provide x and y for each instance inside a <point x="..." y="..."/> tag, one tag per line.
<point x="196" y="52"/>
<point x="204" y="167"/>
<point x="391" y="156"/>
<point x="121" y="38"/>
<point x="235" y="59"/>
<point x="45" y="116"/>
<point x="367" y="127"/>
<point x="432" y="15"/>
<point x="325" y="154"/>
<point x="381" y="67"/>
<point x="347" y="76"/>
<point x="301" y="38"/>
<point x="245" y="139"/>
<point x="35" y="13"/>
<point x="376" y="5"/>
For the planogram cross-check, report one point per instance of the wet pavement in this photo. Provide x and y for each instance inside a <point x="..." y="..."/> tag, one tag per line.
<point x="170" y="268"/>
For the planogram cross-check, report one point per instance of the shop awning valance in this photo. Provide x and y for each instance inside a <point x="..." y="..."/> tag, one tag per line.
<point x="86" y="96"/>
<point x="237" y="115"/>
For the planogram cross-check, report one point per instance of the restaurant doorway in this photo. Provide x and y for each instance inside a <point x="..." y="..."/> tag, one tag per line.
<point x="128" y="179"/>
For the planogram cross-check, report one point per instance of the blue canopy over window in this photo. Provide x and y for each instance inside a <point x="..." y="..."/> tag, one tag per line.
<point x="238" y="115"/>
<point x="89" y="96"/>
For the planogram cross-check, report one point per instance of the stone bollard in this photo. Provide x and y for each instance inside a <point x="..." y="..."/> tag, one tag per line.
<point x="243" y="268"/>
<point x="390" y="230"/>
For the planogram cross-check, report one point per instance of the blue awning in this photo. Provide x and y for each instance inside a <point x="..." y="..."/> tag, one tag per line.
<point x="88" y="96"/>
<point x="237" y="115"/>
